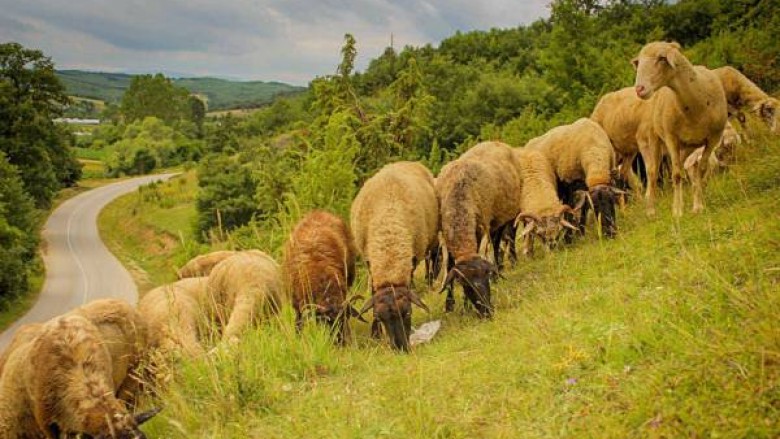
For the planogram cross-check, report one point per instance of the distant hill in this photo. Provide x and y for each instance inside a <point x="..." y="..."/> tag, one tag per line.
<point x="221" y="93"/>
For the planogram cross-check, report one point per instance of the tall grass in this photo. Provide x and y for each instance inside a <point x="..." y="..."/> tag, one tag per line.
<point x="669" y="330"/>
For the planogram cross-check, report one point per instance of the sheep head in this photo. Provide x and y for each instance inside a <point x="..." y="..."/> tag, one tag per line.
<point x="474" y="274"/>
<point x="548" y="228"/>
<point x="603" y="198"/>
<point x="393" y="308"/>
<point x="118" y="426"/>
<point x="769" y="111"/>
<point x="655" y="67"/>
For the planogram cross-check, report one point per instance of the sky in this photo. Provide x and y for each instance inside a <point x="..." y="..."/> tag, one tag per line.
<point x="290" y="41"/>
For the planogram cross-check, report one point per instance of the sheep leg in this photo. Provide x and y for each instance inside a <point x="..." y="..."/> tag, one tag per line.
<point x="700" y="181"/>
<point x="241" y="317"/>
<point x="676" y="157"/>
<point x="495" y="240"/>
<point x="628" y="175"/>
<point x="528" y="244"/>
<point x="449" y="302"/>
<point x="651" y="154"/>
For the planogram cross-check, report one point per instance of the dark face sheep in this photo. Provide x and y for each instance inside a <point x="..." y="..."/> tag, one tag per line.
<point x="604" y="198"/>
<point x="393" y="309"/>
<point x="334" y="314"/>
<point x="474" y="274"/>
<point x="550" y="229"/>
<point x="129" y="432"/>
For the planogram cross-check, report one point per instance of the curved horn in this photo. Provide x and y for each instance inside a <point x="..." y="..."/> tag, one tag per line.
<point x="354" y="313"/>
<point x="366" y="306"/>
<point x="145" y="416"/>
<point x="526" y="215"/>
<point x="565" y="209"/>
<point x="448" y="280"/>
<point x="569" y="225"/>
<point x="584" y="197"/>
<point x="416" y="300"/>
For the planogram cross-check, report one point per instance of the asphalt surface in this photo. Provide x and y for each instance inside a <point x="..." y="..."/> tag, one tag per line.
<point x="79" y="267"/>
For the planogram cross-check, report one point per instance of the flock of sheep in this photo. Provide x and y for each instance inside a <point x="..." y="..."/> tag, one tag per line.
<point x="75" y="373"/>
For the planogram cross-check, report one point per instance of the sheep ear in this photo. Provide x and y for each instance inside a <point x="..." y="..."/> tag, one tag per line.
<point x="767" y="111"/>
<point x="145" y="416"/>
<point x="635" y="63"/>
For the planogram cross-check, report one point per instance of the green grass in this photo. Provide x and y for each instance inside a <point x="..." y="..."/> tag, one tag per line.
<point x="90" y="154"/>
<point x="669" y="330"/>
<point x="150" y="230"/>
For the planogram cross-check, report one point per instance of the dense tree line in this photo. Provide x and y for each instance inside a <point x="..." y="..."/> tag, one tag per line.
<point x="35" y="157"/>
<point x="429" y="103"/>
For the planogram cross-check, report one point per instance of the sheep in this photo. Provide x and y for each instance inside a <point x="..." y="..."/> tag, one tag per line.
<point x="478" y="196"/>
<point x="689" y="110"/>
<point x="172" y="313"/>
<point x="395" y="218"/>
<point x="541" y="210"/>
<point x="319" y="268"/>
<point x="124" y="333"/>
<point x="24" y="334"/>
<point x="498" y="157"/>
<point x="628" y="122"/>
<point x="741" y="91"/>
<point x="719" y="158"/>
<point x="60" y="384"/>
<point x="581" y="156"/>
<point x="241" y="289"/>
<point x="203" y="264"/>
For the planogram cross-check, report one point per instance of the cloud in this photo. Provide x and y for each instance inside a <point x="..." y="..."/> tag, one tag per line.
<point x="286" y="40"/>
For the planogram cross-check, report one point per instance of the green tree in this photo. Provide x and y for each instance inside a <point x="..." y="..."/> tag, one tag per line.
<point x="30" y="97"/>
<point x="155" y="96"/>
<point x="18" y="237"/>
<point x="226" y="196"/>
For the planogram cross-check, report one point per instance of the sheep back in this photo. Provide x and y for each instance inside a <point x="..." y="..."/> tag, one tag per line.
<point x="203" y="264"/>
<point x="539" y="195"/>
<point x="578" y="151"/>
<point x="395" y="218"/>
<point x="171" y="313"/>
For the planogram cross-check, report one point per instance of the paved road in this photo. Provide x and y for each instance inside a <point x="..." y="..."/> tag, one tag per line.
<point x="79" y="267"/>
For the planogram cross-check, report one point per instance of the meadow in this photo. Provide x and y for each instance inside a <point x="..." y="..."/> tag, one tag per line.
<point x="669" y="330"/>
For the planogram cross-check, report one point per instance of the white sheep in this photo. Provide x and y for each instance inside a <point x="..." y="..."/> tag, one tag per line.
<point x="582" y="157"/>
<point x="203" y="264"/>
<point x="394" y="219"/>
<point x="540" y="209"/>
<point x="241" y="289"/>
<point x="628" y="122"/>
<point x="741" y="91"/>
<point x="172" y="314"/>
<point x="689" y="110"/>
<point x="60" y="383"/>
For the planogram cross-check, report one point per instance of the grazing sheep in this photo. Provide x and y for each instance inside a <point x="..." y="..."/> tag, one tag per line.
<point x="689" y="110"/>
<point x="202" y="265"/>
<point x="478" y="195"/>
<point x="581" y="156"/>
<point x="241" y="289"/>
<point x="124" y="333"/>
<point x="395" y="220"/>
<point x="172" y="313"/>
<point x="719" y="158"/>
<point x="319" y="268"/>
<point x="60" y="384"/>
<point x="741" y="91"/>
<point x="541" y="210"/>
<point x="24" y="334"/>
<point x="497" y="157"/>
<point x="628" y="122"/>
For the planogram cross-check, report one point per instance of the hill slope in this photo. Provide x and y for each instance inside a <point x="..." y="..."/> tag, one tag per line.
<point x="221" y="93"/>
<point x="670" y="330"/>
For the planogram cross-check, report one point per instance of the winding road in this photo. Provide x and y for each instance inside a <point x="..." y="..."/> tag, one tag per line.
<point x="79" y="267"/>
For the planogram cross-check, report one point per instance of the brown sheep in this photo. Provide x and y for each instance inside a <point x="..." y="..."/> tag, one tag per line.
<point x="319" y="268"/>
<point x="60" y="383"/>
<point x="689" y="110"/>
<point x="478" y="196"/>
<point x="202" y="265"/>
<point x="241" y="289"/>
<point x="395" y="220"/>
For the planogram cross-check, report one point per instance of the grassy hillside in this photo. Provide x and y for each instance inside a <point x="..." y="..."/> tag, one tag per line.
<point x="670" y="330"/>
<point x="221" y="93"/>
